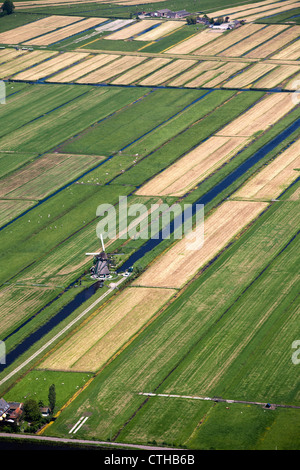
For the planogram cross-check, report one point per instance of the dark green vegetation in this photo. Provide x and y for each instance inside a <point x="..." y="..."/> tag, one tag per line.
<point x="289" y="17"/>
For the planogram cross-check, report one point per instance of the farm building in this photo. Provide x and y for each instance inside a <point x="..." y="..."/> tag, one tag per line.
<point x="4" y="407"/>
<point x="100" y="270"/>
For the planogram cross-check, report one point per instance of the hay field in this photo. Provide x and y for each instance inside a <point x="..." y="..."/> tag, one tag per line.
<point x="132" y="30"/>
<point x="277" y="76"/>
<point x="291" y="52"/>
<point x="194" y="42"/>
<point x="169" y="71"/>
<point x="108" y="329"/>
<point x="195" y="71"/>
<point x="216" y="77"/>
<point x="246" y="79"/>
<point x="83" y="68"/>
<point x="36" y="28"/>
<point x="262" y="115"/>
<point x="277" y="42"/>
<point x="260" y="10"/>
<point x="140" y="71"/>
<point x="63" y="33"/>
<point x="229" y="40"/>
<point x="51" y="66"/>
<point x="36" y="180"/>
<point x="160" y="31"/>
<point x="275" y="177"/>
<point x="109" y="71"/>
<point x="253" y="41"/>
<point x="7" y="55"/>
<point x="23" y="62"/>
<point x="179" y="264"/>
<point x="193" y="167"/>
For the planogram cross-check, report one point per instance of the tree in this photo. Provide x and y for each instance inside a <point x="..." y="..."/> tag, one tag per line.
<point x="191" y="19"/>
<point x="8" y="7"/>
<point x="31" y="410"/>
<point x="52" y="397"/>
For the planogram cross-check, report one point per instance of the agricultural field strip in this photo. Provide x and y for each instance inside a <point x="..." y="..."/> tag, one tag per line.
<point x="252" y="74"/>
<point x="277" y="76"/>
<point x="56" y="36"/>
<point x="290" y="52"/>
<point x="262" y="11"/>
<point x="272" y="12"/>
<point x="7" y="55"/>
<point x="115" y="68"/>
<point x="60" y="333"/>
<point x="271" y="46"/>
<point x="167" y="72"/>
<point x="242" y="8"/>
<point x="195" y="71"/>
<point x="132" y="30"/>
<point x="256" y="39"/>
<point x="192" y="168"/>
<point x="36" y="179"/>
<point x="21" y="63"/>
<point x="36" y="28"/>
<point x="194" y="42"/>
<point x="51" y="66"/>
<point x="111" y="327"/>
<point x="11" y="209"/>
<point x="113" y="25"/>
<point x="215" y="77"/>
<point x="269" y="182"/>
<point x="159" y="31"/>
<point x="140" y="71"/>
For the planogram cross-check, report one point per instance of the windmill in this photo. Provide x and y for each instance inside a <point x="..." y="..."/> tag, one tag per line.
<point x="100" y="270"/>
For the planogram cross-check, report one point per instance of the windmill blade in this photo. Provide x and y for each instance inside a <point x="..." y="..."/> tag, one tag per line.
<point x="103" y="249"/>
<point x="92" y="254"/>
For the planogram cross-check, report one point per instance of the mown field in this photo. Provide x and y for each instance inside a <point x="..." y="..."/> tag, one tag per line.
<point x="215" y="324"/>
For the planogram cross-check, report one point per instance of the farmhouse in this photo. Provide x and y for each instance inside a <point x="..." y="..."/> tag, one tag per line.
<point x="166" y="13"/>
<point x="15" y="410"/>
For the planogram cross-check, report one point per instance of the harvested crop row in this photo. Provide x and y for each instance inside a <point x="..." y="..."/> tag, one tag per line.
<point x="288" y="6"/>
<point x="159" y="31"/>
<point x="194" y="42"/>
<point x="36" y="28"/>
<point x="277" y="42"/>
<point x="56" y="36"/>
<point x="277" y="76"/>
<point x="275" y="177"/>
<point x="291" y="52"/>
<point x="185" y="258"/>
<point x="234" y="9"/>
<point x="109" y="328"/>
<point x="139" y="72"/>
<point x="259" y="117"/>
<point x="214" y="78"/>
<point x="24" y="62"/>
<point x="109" y="71"/>
<point x="83" y="68"/>
<point x="261" y="10"/>
<point x="252" y="74"/>
<point x="168" y="72"/>
<point x="193" y="167"/>
<point x="253" y="41"/>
